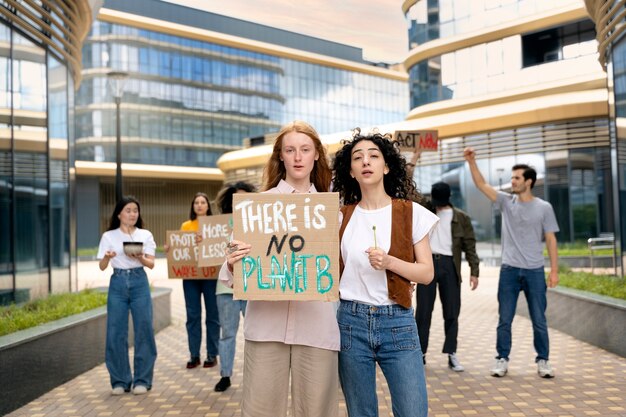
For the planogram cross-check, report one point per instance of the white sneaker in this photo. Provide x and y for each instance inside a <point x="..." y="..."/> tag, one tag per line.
<point x="117" y="391"/>
<point x="139" y="390"/>
<point x="454" y="364"/>
<point x="500" y="367"/>
<point x="544" y="369"/>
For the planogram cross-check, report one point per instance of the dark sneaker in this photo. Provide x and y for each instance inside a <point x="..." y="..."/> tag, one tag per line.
<point x="195" y="361"/>
<point x="210" y="363"/>
<point x="223" y="384"/>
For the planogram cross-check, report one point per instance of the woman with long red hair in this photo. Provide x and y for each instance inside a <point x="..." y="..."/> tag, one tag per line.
<point x="290" y="338"/>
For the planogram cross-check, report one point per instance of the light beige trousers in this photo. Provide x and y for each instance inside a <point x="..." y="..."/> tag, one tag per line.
<point x="314" y="380"/>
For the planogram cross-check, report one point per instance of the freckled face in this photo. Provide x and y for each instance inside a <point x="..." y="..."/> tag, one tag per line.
<point x="367" y="164"/>
<point x="200" y="206"/>
<point x="129" y="214"/>
<point x="299" y="155"/>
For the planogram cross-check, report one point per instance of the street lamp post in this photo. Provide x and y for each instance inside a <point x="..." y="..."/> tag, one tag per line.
<point x="496" y="211"/>
<point x="500" y="172"/>
<point x="116" y="81"/>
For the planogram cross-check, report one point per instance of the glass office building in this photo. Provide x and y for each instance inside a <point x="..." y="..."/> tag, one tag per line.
<point x="39" y="68"/>
<point x="608" y="16"/>
<point x="520" y="82"/>
<point x="198" y="84"/>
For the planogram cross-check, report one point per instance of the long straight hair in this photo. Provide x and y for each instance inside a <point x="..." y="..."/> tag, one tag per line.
<point x="114" y="223"/>
<point x="192" y="213"/>
<point x="275" y="168"/>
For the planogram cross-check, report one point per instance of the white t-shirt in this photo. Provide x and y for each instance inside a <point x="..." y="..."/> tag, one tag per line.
<point x="441" y="237"/>
<point x="359" y="281"/>
<point x="113" y="240"/>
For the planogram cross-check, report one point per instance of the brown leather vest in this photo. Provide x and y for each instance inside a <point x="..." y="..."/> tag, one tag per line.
<point x="400" y="289"/>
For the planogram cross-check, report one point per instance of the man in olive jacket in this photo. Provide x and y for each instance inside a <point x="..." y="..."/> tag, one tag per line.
<point x="454" y="234"/>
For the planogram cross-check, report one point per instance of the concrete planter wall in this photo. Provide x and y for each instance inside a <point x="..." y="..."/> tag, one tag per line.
<point x="592" y="318"/>
<point x="603" y="261"/>
<point x="36" y="360"/>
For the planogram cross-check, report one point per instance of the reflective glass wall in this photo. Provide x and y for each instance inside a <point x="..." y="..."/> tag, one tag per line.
<point x="431" y="19"/>
<point x="513" y="62"/>
<point x="188" y="101"/>
<point x="35" y="255"/>
<point x="617" y="88"/>
<point x="576" y="178"/>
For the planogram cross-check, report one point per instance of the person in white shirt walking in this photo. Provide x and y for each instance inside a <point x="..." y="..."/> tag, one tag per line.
<point x="453" y="236"/>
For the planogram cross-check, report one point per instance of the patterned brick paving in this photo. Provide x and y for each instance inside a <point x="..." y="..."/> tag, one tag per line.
<point x="589" y="381"/>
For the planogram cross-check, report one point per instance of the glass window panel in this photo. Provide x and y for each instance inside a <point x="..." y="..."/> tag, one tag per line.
<point x="31" y="219"/>
<point x="6" y="254"/>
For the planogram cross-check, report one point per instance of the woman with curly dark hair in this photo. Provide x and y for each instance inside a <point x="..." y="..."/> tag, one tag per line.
<point x="384" y="251"/>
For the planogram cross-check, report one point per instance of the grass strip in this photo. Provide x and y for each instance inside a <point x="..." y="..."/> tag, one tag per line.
<point x="33" y="313"/>
<point x="607" y="285"/>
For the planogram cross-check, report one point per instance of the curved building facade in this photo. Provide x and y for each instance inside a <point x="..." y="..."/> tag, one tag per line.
<point x="40" y="67"/>
<point x="199" y="83"/>
<point x="520" y="82"/>
<point x="610" y="20"/>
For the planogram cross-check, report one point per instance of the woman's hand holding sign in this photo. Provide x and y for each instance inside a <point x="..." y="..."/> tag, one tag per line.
<point x="235" y="252"/>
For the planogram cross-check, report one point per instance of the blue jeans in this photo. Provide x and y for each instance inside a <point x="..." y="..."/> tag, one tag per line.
<point x="386" y="335"/>
<point x="229" y="319"/>
<point x="533" y="283"/>
<point x="194" y="289"/>
<point x="129" y="291"/>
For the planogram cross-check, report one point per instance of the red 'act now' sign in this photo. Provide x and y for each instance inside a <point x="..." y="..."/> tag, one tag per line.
<point x="412" y="140"/>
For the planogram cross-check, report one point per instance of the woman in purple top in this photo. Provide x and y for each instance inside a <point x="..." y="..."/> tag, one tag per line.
<point x="283" y="338"/>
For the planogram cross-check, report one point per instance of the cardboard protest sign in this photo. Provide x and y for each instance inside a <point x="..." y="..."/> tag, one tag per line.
<point x="295" y="246"/>
<point x="182" y="257"/>
<point x="215" y="231"/>
<point x="412" y="140"/>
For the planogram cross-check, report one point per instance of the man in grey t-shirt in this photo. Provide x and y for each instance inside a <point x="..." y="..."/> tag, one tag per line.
<point x="525" y="220"/>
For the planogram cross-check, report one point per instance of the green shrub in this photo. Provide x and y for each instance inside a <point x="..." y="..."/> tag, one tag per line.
<point x="600" y="284"/>
<point x="33" y="313"/>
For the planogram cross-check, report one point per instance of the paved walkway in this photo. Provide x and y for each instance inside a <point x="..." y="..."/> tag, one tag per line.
<point x="589" y="381"/>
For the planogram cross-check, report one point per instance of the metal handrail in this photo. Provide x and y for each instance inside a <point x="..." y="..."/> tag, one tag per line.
<point x="604" y="241"/>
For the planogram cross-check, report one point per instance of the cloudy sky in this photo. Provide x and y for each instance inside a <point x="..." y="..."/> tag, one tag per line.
<point x="376" y="26"/>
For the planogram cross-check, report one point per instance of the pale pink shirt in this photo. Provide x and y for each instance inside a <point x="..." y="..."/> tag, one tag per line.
<point x="308" y="323"/>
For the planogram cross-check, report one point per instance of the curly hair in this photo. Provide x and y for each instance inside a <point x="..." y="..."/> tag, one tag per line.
<point x="225" y="196"/>
<point x="397" y="183"/>
<point x="275" y="168"/>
